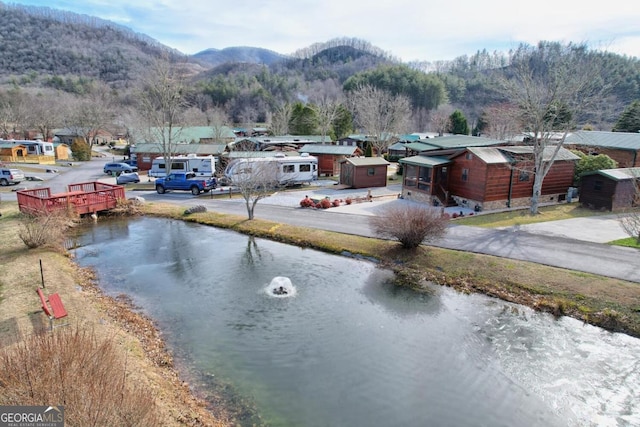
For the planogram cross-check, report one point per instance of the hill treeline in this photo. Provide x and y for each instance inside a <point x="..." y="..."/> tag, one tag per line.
<point x="45" y="48"/>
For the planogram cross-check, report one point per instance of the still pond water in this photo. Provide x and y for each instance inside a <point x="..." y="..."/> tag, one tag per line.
<point x="344" y="347"/>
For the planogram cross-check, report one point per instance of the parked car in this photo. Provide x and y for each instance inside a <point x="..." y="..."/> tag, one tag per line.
<point x="117" y="168"/>
<point x="131" y="162"/>
<point x="10" y="176"/>
<point x="127" y="177"/>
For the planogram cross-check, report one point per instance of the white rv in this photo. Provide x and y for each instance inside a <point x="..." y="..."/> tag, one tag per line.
<point x="276" y="170"/>
<point x="200" y="165"/>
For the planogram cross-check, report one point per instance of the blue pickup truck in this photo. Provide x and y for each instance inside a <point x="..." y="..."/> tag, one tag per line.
<point x="185" y="181"/>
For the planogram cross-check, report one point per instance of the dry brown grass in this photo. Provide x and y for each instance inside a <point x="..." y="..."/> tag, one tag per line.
<point x="137" y="345"/>
<point x="76" y="368"/>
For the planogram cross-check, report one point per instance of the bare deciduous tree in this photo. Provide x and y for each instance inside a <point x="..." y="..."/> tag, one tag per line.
<point x="162" y="103"/>
<point x="441" y="119"/>
<point x="502" y="122"/>
<point x="90" y="114"/>
<point x="280" y="119"/>
<point x="255" y="179"/>
<point x="47" y="112"/>
<point x="410" y="224"/>
<point x="551" y="99"/>
<point x="14" y="112"/>
<point x="380" y="114"/>
<point x="327" y="111"/>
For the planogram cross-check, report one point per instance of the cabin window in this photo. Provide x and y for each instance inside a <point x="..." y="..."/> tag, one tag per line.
<point x="424" y="178"/>
<point x="305" y="168"/>
<point x="48" y="148"/>
<point x="411" y="176"/>
<point x="424" y="175"/>
<point x="371" y="171"/>
<point x="597" y="185"/>
<point x="289" y="168"/>
<point x="524" y="176"/>
<point x="465" y="175"/>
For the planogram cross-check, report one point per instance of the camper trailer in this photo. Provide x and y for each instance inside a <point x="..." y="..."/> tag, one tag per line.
<point x="277" y="170"/>
<point x="200" y="165"/>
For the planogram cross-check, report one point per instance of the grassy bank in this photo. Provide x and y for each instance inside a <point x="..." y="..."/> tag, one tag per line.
<point x="609" y="303"/>
<point x="110" y="356"/>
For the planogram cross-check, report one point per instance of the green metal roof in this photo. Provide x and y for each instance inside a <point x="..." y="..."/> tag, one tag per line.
<point x="336" y="150"/>
<point x="620" y="140"/>
<point x="421" y="146"/>
<point x="199" y="149"/>
<point x="189" y="134"/>
<point x="425" y="161"/>
<point x="461" y="141"/>
<point x="618" y="174"/>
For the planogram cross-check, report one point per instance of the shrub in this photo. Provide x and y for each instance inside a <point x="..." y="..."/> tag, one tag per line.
<point x="76" y="368"/>
<point x="80" y="150"/>
<point x="411" y="225"/>
<point x="44" y="229"/>
<point x="348" y="200"/>
<point x="335" y="203"/>
<point x="129" y="207"/>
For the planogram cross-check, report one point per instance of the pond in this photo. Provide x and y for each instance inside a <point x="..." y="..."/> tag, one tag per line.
<point x="346" y="347"/>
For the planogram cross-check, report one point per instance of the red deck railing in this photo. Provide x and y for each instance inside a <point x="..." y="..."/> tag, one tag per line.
<point x="82" y="198"/>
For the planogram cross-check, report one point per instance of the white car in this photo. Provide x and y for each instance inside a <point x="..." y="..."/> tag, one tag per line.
<point x="127" y="177"/>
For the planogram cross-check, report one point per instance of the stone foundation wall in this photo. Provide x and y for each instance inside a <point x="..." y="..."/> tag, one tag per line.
<point x="417" y="196"/>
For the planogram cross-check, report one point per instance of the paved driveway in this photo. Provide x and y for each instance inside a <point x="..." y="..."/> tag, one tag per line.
<point x="599" y="229"/>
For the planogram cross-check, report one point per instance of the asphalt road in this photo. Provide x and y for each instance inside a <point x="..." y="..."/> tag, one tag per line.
<point x="551" y="244"/>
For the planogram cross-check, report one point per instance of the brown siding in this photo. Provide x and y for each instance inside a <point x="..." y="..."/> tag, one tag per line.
<point x="597" y="198"/>
<point x="474" y="187"/>
<point x="362" y="179"/>
<point x="326" y="165"/>
<point x="612" y="195"/>
<point x="624" y="158"/>
<point x="559" y="178"/>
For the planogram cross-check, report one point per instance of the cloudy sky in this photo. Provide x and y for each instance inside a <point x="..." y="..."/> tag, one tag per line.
<point x="407" y="29"/>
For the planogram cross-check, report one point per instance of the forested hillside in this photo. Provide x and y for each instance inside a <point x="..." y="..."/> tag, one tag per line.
<point x="45" y="49"/>
<point x="37" y="44"/>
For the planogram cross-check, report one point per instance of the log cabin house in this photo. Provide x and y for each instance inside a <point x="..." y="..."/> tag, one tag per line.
<point x="484" y="178"/>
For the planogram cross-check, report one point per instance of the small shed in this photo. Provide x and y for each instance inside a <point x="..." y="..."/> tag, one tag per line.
<point x="610" y="189"/>
<point x="362" y="172"/>
<point x="11" y="151"/>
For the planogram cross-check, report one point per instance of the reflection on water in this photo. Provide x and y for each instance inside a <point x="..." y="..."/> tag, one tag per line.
<point x="351" y="348"/>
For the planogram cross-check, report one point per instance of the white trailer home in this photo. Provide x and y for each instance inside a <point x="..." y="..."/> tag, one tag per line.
<point x="277" y="170"/>
<point x="200" y="165"/>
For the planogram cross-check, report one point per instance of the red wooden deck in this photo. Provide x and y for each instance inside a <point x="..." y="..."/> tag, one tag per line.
<point x="82" y="198"/>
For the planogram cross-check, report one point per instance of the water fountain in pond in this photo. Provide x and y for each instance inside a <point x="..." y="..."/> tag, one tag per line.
<point x="280" y="287"/>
